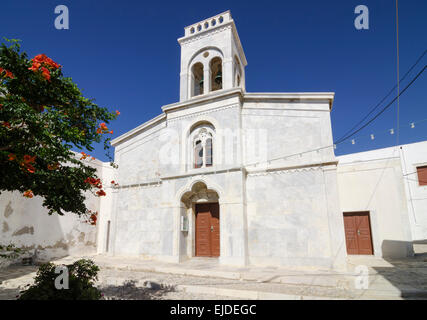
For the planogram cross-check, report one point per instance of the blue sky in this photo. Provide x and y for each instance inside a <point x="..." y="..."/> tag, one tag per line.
<point x="125" y="55"/>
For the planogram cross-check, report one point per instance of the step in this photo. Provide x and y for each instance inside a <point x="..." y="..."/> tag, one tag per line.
<point x="248" y="294"/>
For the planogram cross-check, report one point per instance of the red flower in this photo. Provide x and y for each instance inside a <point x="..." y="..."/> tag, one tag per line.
<point x="53" y="166"/>
<point x="40" y="58"/>
<point x="28" y="194"/>
<point x="113" y="182"/>
<point x="101" y="193"/>
<point x="6" y="124"/>
<point x="94" y="182"/>
<point x="43" y="59"/>
<point x="35" y="66"/>
<point x="111" y="132"/>
<point x="46" y="73"/>
<point x="8" y="73"/>
<point x="11" y="156"/>
<point x="46" y="63"/>
<point x="117" y="112"/>
<point x="29" y="159"/>
<point x="30" y="168"/>
<point x="103" y="128"/>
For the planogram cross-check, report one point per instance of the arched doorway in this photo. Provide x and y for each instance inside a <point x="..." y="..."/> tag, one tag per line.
<point x="201" y="209"/>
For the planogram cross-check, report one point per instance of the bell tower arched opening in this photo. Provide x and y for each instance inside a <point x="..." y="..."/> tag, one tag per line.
<point x="216" y="73"/>
<point x="197" y="79"/>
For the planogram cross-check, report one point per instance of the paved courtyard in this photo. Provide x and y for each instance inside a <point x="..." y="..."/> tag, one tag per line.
<point x="135" y="278"/>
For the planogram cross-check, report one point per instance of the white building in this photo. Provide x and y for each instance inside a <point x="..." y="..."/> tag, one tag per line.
<point x="249" y="178"/>
<point x="198" y="181"/>
<point x="391" y="186"/>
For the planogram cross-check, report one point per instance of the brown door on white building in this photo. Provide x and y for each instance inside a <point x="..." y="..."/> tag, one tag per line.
<point x="207" y="230"/>
<point x="358" y="233"/>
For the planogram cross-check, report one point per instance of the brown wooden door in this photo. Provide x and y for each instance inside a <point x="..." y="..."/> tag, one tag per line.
<point x="358" y="233"/>
<point x="207" y="230"/>
<point x="215" y="229"/>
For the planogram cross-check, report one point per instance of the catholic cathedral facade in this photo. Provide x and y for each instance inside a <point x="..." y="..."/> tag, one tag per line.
<point x="246" y="178"/>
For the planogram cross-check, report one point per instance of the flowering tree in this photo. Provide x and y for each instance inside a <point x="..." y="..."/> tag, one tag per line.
<point x="43" y="115"/>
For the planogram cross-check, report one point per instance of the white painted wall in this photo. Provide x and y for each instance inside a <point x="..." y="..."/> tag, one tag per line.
<point x="26" y="223"/>
<point x="412" y="156"/>
<point x="373" y="181"/>
<point x="280" y="213"/>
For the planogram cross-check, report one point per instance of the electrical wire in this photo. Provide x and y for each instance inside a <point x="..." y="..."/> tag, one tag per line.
<point x="386" y="96"/>
<point x="384" y="109"/>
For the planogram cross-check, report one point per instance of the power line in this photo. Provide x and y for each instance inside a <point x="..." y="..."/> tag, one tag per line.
<point x="397" y="68"/>
<point x="390" y="131"/>
<point x="386" y="96"/>
<point x="384" y="109"/>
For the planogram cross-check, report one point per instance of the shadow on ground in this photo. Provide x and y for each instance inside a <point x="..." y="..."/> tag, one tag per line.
<point x="408" y="275"/>
<point x="130" y="291"/>
<point x="13" y="279"/>
<point x="16" y="271"/>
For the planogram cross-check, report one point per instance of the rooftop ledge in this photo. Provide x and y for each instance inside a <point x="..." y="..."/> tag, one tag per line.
<point x="244" y="96"/>
<point x="249" y="96"/>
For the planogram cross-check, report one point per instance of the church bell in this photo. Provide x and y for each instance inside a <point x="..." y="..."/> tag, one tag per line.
<point x="218" y="77"/>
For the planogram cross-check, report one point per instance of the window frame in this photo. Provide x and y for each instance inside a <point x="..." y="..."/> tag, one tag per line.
<point x="202" y="134"/>
<point x="423" y="182"/>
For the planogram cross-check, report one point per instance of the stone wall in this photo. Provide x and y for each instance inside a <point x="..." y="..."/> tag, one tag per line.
<point x="26" y="223"/>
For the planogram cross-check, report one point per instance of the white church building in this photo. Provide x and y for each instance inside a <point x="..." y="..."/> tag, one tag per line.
<point x="249" y="178"/>
<point x="252" y="178"/>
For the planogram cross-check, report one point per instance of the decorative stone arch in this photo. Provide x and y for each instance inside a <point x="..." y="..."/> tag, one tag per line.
<point x="187" y="145"/>
<point x="203" y="56"/>
<point x="199" y="190"/>
<point x="197" y="56"/>
<point x="201" y="141"/>
<point x="199" y="179"/>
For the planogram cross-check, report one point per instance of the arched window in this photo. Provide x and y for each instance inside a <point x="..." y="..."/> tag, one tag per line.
<point x="202" y="138"/>
<point x="197" y="79"/>
<point x="216" y="73"/>
<point x="237" y="72"/>
<point x="198" y="154"/>
<point x="209" y="152"/>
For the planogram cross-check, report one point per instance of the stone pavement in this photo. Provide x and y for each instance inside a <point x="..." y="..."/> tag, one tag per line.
<point x="394" y="279"/>
<point x="201" y="278"/>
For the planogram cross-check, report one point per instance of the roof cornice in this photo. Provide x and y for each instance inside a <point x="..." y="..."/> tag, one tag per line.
<point x="203" y="98"/>
<point x="224" y="94"/>
<point x="138" y="129"/>
<point x="291" y="96"/>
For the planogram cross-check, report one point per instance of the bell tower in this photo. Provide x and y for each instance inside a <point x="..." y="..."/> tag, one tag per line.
<point x="212" y="57"/>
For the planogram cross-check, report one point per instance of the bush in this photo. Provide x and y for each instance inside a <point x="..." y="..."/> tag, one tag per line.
<point x="82" y="276"/>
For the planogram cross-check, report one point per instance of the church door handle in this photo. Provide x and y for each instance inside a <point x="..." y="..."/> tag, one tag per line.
<point x="211" y="228"/>
<point x="358" y="232"/>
